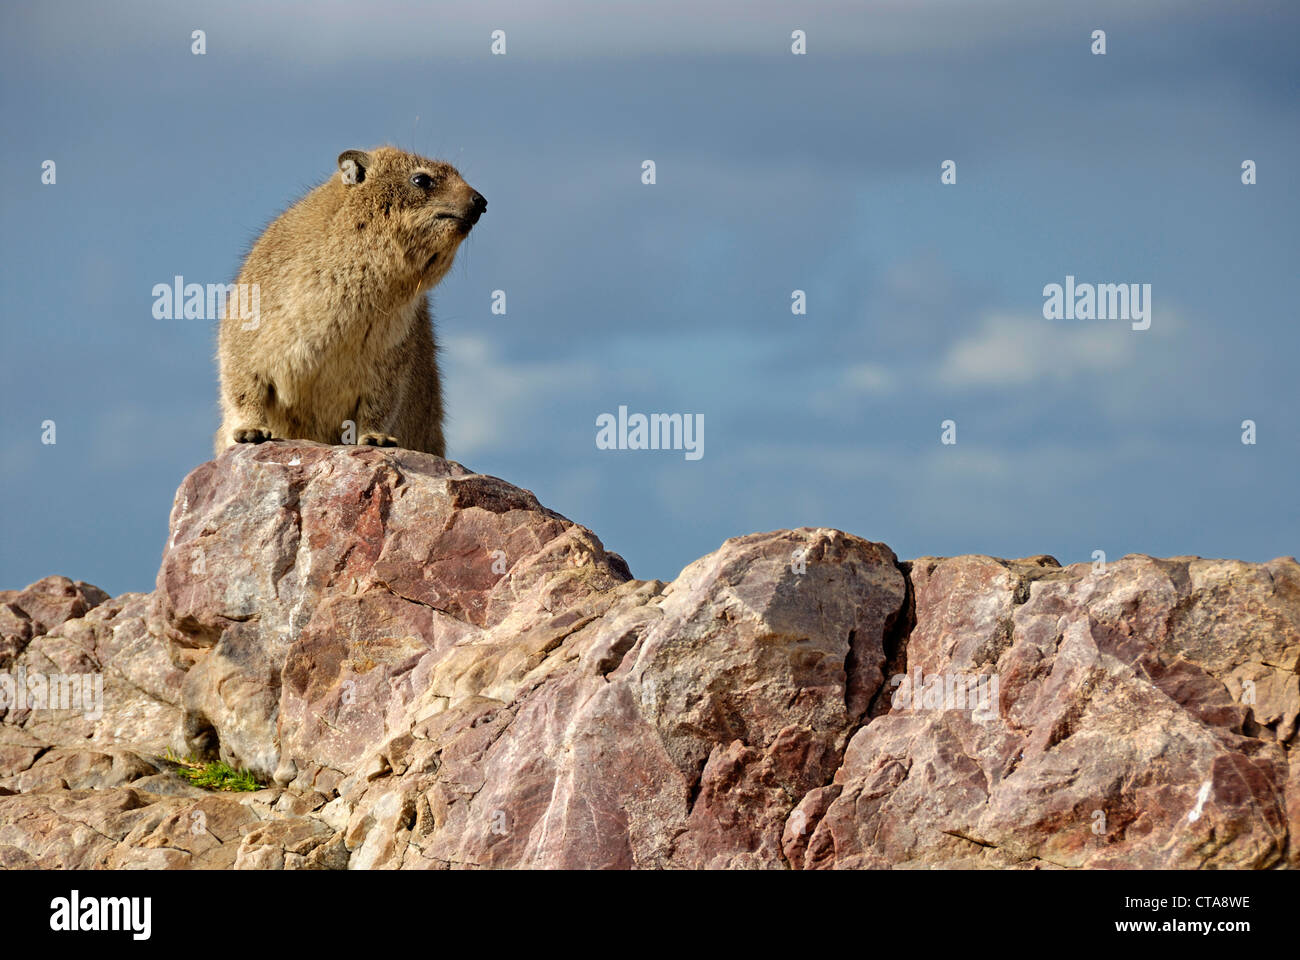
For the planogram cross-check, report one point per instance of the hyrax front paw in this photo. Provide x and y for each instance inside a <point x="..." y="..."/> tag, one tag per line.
<point x="377" y="440"/>
<point x="251" y="435"/>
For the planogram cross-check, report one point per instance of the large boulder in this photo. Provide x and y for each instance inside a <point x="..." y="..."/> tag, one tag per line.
<point x="1142" y="716"/>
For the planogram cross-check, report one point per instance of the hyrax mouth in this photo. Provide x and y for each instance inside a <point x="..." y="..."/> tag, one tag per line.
<point x="462" y="225"/>
<point x="467" y="217"/>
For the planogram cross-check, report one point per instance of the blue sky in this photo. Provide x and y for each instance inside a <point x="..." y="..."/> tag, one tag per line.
<point x="774" y="173"/>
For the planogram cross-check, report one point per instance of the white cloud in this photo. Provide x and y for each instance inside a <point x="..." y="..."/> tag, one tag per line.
<point x="488" y="398"/>
<point x="1011" y="350"/>
<point x="870" y="378"/>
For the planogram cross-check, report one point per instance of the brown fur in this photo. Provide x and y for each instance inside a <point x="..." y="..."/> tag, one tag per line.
<point x="344" y="331"/>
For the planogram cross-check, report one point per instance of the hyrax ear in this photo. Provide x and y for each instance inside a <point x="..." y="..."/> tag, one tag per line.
<point x="353" y="164"/>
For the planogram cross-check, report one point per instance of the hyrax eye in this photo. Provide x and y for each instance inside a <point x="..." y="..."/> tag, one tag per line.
<point x="422" y="180"/>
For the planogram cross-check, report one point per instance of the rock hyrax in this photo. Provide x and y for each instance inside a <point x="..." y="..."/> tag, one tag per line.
<point x="342" y="331"/>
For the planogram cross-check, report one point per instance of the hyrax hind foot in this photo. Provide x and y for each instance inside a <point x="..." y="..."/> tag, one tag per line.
<point x="251" y="435"/>
<point x="377" y="440"/>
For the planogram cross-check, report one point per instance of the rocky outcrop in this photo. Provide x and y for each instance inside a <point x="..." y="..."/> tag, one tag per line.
<point x="429" y="669"/>
<point x="27" y="614"/>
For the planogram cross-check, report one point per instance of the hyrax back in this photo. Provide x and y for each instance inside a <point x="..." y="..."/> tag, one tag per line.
<point x="343" y="331"/>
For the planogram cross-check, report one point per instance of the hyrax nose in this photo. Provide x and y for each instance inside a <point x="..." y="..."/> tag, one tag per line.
<point x="477" y="206"/>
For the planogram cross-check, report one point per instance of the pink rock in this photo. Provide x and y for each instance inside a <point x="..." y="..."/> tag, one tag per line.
<point x="431" y="670"/>
<point x="39" y="608"/>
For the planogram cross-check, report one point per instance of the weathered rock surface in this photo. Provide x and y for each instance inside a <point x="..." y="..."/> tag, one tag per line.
<point x="429" y="669"/>
<point x="1144" y="718"/>
<point x="34" y="612"/>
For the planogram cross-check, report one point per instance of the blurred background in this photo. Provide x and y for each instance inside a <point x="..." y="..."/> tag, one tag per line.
<point x="775" y="173"/>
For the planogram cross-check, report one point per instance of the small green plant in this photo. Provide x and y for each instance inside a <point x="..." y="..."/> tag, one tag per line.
<point x="213" y="774"/>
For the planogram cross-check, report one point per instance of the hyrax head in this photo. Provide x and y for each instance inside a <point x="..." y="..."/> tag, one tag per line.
<point x="423" y="205"/>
